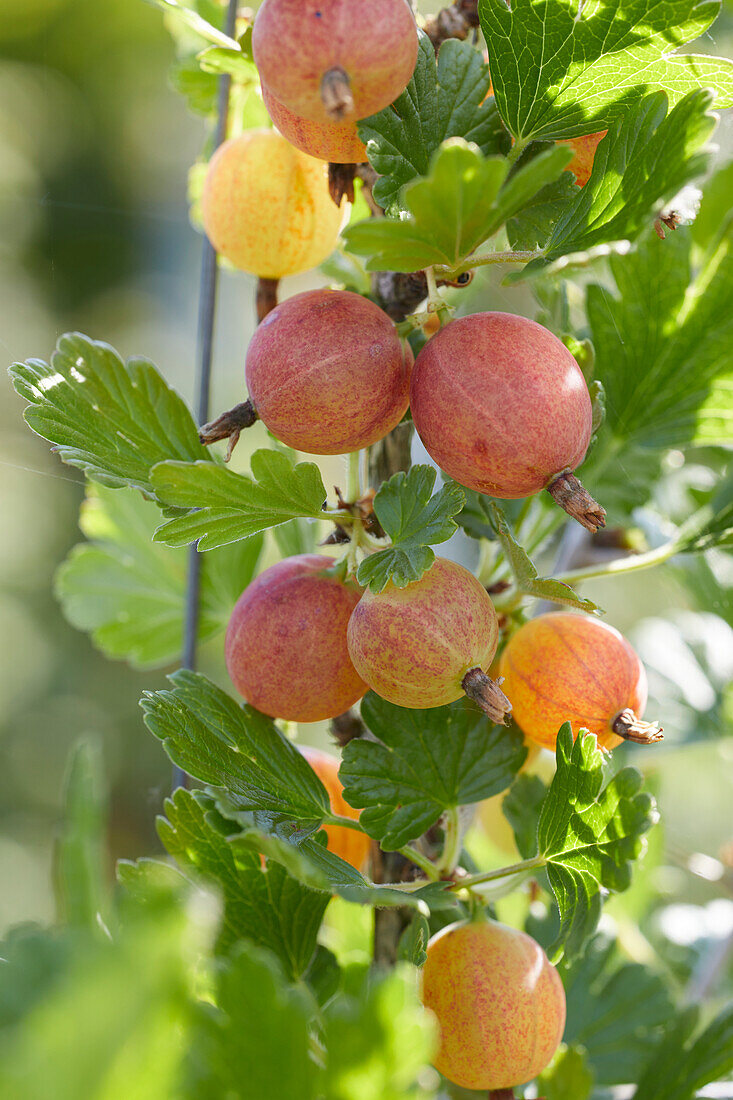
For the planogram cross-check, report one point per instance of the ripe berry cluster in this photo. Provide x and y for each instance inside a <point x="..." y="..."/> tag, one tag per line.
<point x="501" y="406"/>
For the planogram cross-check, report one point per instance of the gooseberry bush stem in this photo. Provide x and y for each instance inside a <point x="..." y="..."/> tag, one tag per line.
<point x="618" y="566"/>
<point x="485" y="259"/>
<point x="481" y="877"/>
<point x="452" y="841"/>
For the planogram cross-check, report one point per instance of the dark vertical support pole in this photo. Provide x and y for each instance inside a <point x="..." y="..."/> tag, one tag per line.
<point x="205" y="340"/>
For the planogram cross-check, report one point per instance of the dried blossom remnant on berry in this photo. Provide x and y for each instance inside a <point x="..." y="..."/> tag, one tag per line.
<point x="336" y="94"/>
<point x="567" y="491"/>
<point x="457" y="21"/>
<point x="228" y="426"/>
<point x="631" y="728"/>
<point x="341" y="182"/>
<point x="488" y="694"/>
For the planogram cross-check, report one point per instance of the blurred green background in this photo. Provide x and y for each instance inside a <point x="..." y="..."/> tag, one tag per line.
<point x="94" y="235"/>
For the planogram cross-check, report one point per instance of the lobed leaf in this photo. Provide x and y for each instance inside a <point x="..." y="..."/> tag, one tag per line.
<point x="129" y="593"/>
<point x="589" y="833"/>
<point x="414" y="520"/>
<point x="560" y="70"/>
<point x="237" y="749"/>
<point x="113" y="420"/>
<point x="379" y="1039"/>
<point x="522" y="807"/>
<point x="308" y="860"/>
<point x="226" y="506"/>
<point x="663" y="354"/>
<point x="464" y="201"/>
<point x="266" y="905"/>
<point x="127" y="995"/>
<point x="647" y="157"/>
<point x="530" y="227"/>
<point x="526" y="578"/>
<point x="254" y="1040"/>
<point x="684" y="1063"/>
<point x="446" y="98"/>
<point x="616" y="1011"/>
<point x="568" y="1077"/>
<point x="424" y="762"/>
<point x="710" y="526"/>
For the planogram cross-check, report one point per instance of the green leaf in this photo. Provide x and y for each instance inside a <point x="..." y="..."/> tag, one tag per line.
<point x="589" y="834"/>
<point x="567" y="1077"/>
<point x="79" y="853"/>
<point x="112" y="420"/>
<point x="413" y="943"/>
<point x="310" y="862"/>
<point x="266" y="906"/>
<point x="236" y="748"/>
<point x="560" y="71"/>
<point x="446" y="98"/>
<point x="255" y="1044"/>
<point x="345" y="270"/>
<point x="682" y="1064"/>
<point x="129" y="593"/>
<point x="663" y="355"/>
<point x="710" y="526"/>
<point x="526" y="578"/>
<point x="616" y="1011"/>
<point x="35" y="961"/>
<point x="323" y="974"/>
<point x="378" y="1040"/>
<point x="298" y="536"/>
<point x="195" y="22"/>
<point x="198" y="88"/>
<point x="521" y="808"/>
<point x="647" y="157"/>
<point x="464" y="201"/>
<point x="145" y="878"/>
<point x="230" y="61"/>
<point x="531" y="227"/>
<point x="425" y="762"/>
<point x="227" y="506"/>
<point x="127" y="996"/>
<point x="597" y="394"/>
<point x="714" y="215"/>
<point x="414" y="520"/>
<point x="474" y="516"/>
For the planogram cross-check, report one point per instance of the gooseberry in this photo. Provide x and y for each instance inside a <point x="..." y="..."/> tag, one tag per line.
<point x="337" y="142"/>
<point x="328" y="373"/>
<point x="502" y="406"/>
<point x="499" y="1002"/>
<point x="429" y="643"/>
<point x="563" y="667"/>
<point x="266" y="206"/>
<point x="286" y="649"/>
<point x="333" y="59"/>
<point x="351" y="845"/>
